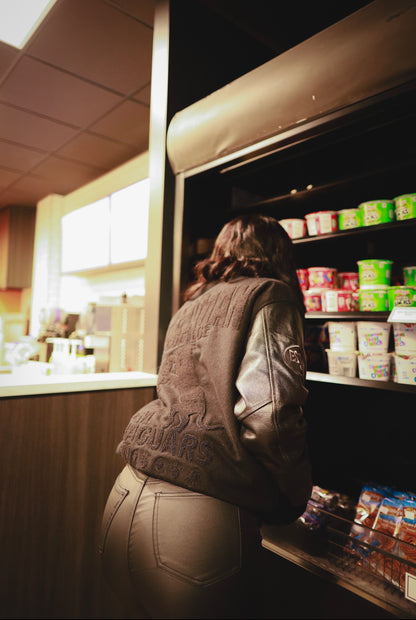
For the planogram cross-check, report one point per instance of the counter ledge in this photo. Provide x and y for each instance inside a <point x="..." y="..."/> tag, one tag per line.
<point x="15" y="386"/>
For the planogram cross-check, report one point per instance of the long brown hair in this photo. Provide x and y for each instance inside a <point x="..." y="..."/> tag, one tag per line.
<point x="251" y="245"/>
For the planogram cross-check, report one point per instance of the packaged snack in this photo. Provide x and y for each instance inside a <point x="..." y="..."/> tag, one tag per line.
<point x="368" y="505"/>
<point x="387" y="521"/>
<point x="407" y="531"/>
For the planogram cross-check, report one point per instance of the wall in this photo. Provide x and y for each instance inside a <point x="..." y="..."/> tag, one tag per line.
<point x="49" y="289"/>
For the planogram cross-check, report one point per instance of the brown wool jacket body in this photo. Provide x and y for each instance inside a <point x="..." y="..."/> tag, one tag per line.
<point x="228" y="421"/>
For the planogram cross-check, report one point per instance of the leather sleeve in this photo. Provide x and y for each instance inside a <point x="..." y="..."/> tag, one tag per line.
<point x="271" y="393"/>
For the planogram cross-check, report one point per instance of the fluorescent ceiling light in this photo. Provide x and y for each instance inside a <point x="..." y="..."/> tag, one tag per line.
<point x="20" y="18"/>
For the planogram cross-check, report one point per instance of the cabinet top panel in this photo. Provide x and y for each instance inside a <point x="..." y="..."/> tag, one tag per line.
<point x="370" y="52"/>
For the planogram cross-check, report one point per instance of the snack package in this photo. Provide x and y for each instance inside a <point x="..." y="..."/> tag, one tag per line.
<point x="368" y="504"/>
<point x="407" y="531"/>
<point x="365" y="515"/>
<point x="384" y="537"/>
<point x="387" y="523"/>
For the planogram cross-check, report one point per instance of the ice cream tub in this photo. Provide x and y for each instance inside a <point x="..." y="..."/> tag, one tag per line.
<point x="313" y="300"/>
<point x="377" y="212"/>
<point x="294" y="227"/>
<point x="349" y="218"/>
<point x="322" y="277"/>
<point x="405" y="206"/>
<point x="409" y="275"/>
<point x="349" y="280"/>
<point x="404" y="338"/>
<point x="402" y="296"/>
<point x="342" y="335"/>
<point x="321" y="222"/>
<point x="373" y="300"/>
<point x="311" y="224"/>
<point x="373" y="336"/>
<point x="326" y="222"/>
<point x="303" y="278"/>
<point x="405" y="368"/>
<point x="374" y="366"/>
<point x="336" y="300"/>
<point x="342" y="363"/>
<point x="355" y="301"/>
<point x="374" y="271"/>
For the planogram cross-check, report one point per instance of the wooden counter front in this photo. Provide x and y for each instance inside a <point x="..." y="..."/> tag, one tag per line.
<point x="57" y="466"/>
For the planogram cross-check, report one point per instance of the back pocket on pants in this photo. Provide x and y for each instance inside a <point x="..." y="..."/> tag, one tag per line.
<point x="196" y="538"/>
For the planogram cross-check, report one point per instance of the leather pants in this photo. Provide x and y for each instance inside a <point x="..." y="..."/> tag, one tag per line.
<point x="174" y="553"/>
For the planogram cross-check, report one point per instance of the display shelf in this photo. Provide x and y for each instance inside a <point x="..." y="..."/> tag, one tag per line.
<point x="391" y="386"/>
<point x="395" y="226"/>
<point x="353" y="316"/>
<point x="368" y="563"/>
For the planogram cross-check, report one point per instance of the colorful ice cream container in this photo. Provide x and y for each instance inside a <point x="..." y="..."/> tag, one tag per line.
<point x="311" y="224"/>
<point x="373" y="336"/>
<point x="336" y="300"/>
<point x="374" y="271"/>
<point x="342" y="363"/>
<point x="349" y="218"/>
<point x="374" y="366"/>
<point x="373" y="300"/>
<point x="405" y="206"/>
<point x="313" y="300"/>
<point x="303" y="278"/>
<point x="409" y="275"/>
<point x="355" y="301"/>
<point x="377" y="212"/>
<point x="322" y="222"/>
<point x="349" y="280"/>
<point x="294" y="227"/>
<point x="326" y="222"/>
<point x="404" y="338"/>
<point x="342" y="335"/>
<point x="403" y="296"/>
<point x="405" y="368"/>
<point x="322" y="277"/>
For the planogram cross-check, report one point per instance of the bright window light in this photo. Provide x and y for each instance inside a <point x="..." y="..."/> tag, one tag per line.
<point x="20" y="18"/>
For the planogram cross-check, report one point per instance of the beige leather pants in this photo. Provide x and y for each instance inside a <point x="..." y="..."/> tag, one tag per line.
<point x="174" y="553"/>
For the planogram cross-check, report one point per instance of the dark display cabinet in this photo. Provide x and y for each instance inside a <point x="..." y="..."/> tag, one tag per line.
<point x="360" y="431"/>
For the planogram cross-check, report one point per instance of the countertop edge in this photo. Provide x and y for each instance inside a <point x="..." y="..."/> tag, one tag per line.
<point x="75" y="383"/>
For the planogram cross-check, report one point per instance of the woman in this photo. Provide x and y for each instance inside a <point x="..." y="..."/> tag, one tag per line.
<point x="223" y="447"/>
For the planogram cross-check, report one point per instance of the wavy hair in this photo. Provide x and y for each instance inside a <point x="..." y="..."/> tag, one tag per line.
<point x="251" y="245"/>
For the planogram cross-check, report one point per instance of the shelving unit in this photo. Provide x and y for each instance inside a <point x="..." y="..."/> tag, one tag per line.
<point x="360" y="430"/>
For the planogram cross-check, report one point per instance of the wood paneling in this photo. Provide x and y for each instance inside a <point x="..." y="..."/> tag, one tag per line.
<point x="57" y="466"/>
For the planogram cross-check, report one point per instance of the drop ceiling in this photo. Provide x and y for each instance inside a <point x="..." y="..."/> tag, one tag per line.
<point x="74" y="103"/>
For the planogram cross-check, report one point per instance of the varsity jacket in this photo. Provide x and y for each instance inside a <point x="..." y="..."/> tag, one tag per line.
<point x="228" y="418"/>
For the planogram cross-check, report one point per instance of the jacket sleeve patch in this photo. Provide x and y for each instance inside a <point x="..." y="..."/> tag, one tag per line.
<point x="294" y="359"/>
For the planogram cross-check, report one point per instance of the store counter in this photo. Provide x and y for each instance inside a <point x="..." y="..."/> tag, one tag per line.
<point x="17" y="384"/>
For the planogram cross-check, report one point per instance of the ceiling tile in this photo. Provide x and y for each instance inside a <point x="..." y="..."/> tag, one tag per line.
<point x="19" y="158"/>
<point x="143" y="95"/>
<point x="128" y="122"/>
<point x="65" y="175"/>
<point x="57" y="94"/>
<point x="7" y="177"/>
<point x="143" y="10"/>
<point x="32" y="130"/>
<point x="8" y="55"/>
<point x="97" y="151"/>
<point x="29" y="190"/>
<point x="99" y="43"/>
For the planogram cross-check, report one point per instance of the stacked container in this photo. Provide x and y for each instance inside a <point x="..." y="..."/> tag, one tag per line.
<point x="404" y="355"/>
<point x="374" y="359"/>
<point x="320" y="279"/>
<point x="405" y="206"/>
<point x="342" y="359"/>
<point x="374" y="281"/>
